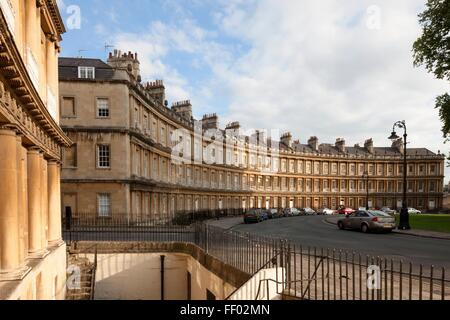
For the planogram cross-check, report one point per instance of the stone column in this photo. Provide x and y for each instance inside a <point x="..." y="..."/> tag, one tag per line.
<point x="10" y="257"/>
<point x="54" y="204"/>
<point x="44" y="201"/>
<point x="34" y="204"/>
<point x="31" y="24"/>
<point x="22" y="203"/>
<point x="51" y="67"/>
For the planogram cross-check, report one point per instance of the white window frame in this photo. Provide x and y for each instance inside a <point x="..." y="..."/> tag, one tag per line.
<point x="104" y="205"/>
<point x="100" y="156"/>
<point x="103" y="108"/>
<point x="86" y="70"/>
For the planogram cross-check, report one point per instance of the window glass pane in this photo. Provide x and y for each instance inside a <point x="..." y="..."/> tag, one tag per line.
<point x="86" y="72"/>
<point x="103" y="156"/>
<point x="104" y="205"/>
<point x="102" y="108"/>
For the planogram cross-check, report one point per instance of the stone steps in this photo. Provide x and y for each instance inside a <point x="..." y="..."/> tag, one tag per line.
<point x="87" y="276"/>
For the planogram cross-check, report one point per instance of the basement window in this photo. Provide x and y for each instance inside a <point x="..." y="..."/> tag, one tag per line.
<point x="104" y="205"/>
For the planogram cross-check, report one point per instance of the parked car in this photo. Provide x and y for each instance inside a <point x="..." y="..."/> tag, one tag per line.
<point x="309" y="212"/>
<point x="368" y="220"/>
<point x="264" y="214"/>
<point x="414" y="211"/>
<point x="291" y="212"/>
<point x="346" y="211"/>
<point x="274" y="213"/>
<point x="253" y="216"/>
<point x="326" y="211"/>
<point x="287" y="212"/>
<point x="388" y="211"/>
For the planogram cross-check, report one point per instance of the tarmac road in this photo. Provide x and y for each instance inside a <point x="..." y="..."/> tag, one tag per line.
<point x="315" y="232"/>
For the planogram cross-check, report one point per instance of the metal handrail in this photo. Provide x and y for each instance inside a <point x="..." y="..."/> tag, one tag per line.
<point x="255" y="273"/>
<point x="94" y="272"/>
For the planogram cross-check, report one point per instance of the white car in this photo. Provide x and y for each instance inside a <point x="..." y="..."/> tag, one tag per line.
<point x="413" y="211"/>
<point x="309" y="212"/>
<point x="327" y="211"/>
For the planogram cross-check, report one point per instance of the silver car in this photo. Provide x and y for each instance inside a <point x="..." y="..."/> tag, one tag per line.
<point x="389" y="211"/>
<point x="368" y="220"/>
<point x="309" y="212"/>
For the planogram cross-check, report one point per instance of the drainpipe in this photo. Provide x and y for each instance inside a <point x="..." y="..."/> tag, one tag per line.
<point x="162" y="277"/>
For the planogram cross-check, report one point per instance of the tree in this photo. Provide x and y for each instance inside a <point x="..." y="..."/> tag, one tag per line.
<point x="432" y="50"/>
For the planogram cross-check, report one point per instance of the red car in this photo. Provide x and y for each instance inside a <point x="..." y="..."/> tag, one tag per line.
<point x="345" y="211"/>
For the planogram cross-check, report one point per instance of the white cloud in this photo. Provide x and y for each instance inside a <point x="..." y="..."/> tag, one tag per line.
<point x="316" y="69"/>
<point x="311" y="67"/>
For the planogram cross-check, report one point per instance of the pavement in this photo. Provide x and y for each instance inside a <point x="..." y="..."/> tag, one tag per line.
<point x="226" y="223"/>
<point x="416" y="233"/>
<point x="314" y="231"/>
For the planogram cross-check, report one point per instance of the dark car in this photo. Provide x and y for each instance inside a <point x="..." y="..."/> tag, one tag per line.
<point x="264" y="214"/>
<point x="253" y="216"/>
<point x="273" y="214"/>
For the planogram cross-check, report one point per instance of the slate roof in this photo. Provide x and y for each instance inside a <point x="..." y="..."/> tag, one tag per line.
<point x="68" y="68"/>
<point x="358" y="150"/>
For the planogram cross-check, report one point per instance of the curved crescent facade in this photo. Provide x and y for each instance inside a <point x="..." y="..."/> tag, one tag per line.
<point x="135" y="156"/>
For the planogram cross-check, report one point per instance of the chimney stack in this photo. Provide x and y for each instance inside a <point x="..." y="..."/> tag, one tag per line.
<point x="398" y="144"/>
<point x="183" y="109"/>
<point x="286" y="139"/>
<point x="313" y="143"/>
<point x="156" y="90"/>
<point x="340" y="145"/>
<point x="127" y="61"/>
<point x="368" y="145"/>
<point x="210" y="121"/>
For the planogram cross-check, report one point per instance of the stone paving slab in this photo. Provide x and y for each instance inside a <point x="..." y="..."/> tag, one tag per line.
<point x="226" y="223"/>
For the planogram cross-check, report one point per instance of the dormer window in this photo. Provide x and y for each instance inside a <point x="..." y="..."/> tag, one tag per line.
<point x="86" y="72"/>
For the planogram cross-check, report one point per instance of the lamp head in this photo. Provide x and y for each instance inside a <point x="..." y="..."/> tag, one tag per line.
<point x="394" y="136"/>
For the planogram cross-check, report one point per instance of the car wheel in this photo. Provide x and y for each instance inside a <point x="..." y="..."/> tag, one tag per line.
<point x="340" y="225"/>
<point x="364" y="228"/>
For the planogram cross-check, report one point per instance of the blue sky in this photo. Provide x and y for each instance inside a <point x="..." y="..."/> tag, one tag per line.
<point x="329" y="68"/>
<point x="103" y="22"/>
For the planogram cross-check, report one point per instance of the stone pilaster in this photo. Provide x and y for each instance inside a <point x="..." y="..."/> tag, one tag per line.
<point x="54" y="204"/>
<point x="34" y="204"/>
<point x="44" y="201"/>
<point x="11" y="267"/>
<point x="22" y="202"/>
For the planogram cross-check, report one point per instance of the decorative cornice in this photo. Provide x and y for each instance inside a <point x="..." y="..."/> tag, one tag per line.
<point x="25" y="103"/>
<point x="53" y="10"/>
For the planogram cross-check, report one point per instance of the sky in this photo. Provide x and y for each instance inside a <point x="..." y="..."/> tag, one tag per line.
<point x="328" y="68"/>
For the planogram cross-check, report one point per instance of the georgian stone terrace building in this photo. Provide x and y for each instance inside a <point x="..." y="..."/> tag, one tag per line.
<point x="134" y="155"/>
<point x="32" y="253"/>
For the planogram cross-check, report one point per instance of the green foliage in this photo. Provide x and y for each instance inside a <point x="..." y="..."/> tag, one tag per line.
<point x="432" y="49"/>
<point x="443" y="104"/>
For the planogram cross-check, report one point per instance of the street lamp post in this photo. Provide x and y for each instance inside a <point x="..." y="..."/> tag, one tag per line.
<point x="404" y="216"/>
<point x="366" y="176"/>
